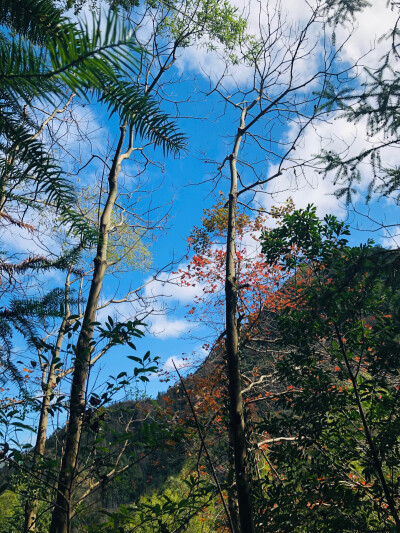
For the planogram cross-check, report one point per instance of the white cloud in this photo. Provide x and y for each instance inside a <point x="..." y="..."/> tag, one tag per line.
<point x="391" y="238"/>
<point x="358" y="41"/>
<point x="21" y="243"/>
<point x="169" y="286"/>
<point x="158" y="322"/>
<point x="307" y="185"/>
<point x="39" y="241"/>
<point x="19" y="240"/>
<point x="188" y="362"/>
<point x="76" y="135"/>
<point x="165" y="328"/>
<point x="212" y="65"/>
<point x="304" y="188"/>
<point x="158" y="295"/>
<point x="120" y="311"/>
<point x="370" y="24"/>
<point x="180" y="362"/>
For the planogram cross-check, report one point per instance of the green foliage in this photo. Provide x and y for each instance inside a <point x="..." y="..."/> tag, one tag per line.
<point x="11" y="518"/>
<point x="12" y="510"/>
<point x="214" y="224"/>
<point x="303" y="237"/>
<point x="100" y="444"/>
<point x="26" y="316"/>
<point x="340" y="11"/>
<point x="377" y="102"/>
<point x="208" y="22"/>
<point x="45" y="57"/>
<point x="219" y="21"/>
<point x="80" y="58"/>
<point x="127" y="248"/>
<point x="336" y="424"/>
<point x="181" y="505"/>
<point x="93" y="4"/>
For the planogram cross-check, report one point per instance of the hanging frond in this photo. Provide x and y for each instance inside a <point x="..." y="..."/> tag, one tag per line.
<point x="51" y="304"/>
<point x="100" y="57"/>
<point x="41" y="263"/>
<point x="143" y="113"/>
<point x="34" y="20"/>
<point x="8" y="370"/>
<point x="44" y="56"/>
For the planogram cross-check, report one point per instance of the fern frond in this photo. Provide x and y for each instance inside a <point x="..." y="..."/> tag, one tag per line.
<point x="143" y="113"/>
<point x="34" y="20"/>
<point x="51" y="304"/>
<point x="83" y="59"/>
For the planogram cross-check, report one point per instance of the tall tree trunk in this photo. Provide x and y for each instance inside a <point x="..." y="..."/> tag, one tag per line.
<point x="48" y="386"/>
<point x="62" y="511"/>
<point x="236" y="410"/>
<point x="233" y="506"/>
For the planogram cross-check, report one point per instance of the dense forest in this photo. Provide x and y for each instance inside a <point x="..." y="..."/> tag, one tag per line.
<point x="221" y="179"/>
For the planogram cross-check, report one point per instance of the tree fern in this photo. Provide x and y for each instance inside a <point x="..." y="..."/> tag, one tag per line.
<point x="44" y="57"/>
<point x="82" y="57"/>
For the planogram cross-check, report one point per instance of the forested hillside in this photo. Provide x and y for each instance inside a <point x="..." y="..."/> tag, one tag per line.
<point x="199" y="266"/>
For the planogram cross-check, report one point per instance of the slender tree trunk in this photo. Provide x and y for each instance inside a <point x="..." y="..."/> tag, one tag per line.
<point x="371" y="444"/>
<point x="233" y="507"/>
<point x="40" y="445"/>
<point x="236" y="410"/>
<point x="62" y="511"/>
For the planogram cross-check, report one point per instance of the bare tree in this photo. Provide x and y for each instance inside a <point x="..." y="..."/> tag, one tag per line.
<point x="280" y="94"/>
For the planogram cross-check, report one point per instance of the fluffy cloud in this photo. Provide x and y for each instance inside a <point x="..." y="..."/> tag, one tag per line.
<point x="190" y="362"/>
<point x="369" y="25"/>
<point x="169" y="287"/>
<point x="158" y="322"/>
<point x="180" y="362"/>
<point x="391" y="239"/>
<point x="359" y="40"/>
<point x="308" y="186"/>
<point x="119" y="311"/>
<point x="164" y="327"/>
<point x="259" y="15"/>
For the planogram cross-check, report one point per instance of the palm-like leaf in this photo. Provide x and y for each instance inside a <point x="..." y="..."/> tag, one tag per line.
<point x="44" y="57"/>
<point x="33" y="20"/>
<point x="83" y="58"/>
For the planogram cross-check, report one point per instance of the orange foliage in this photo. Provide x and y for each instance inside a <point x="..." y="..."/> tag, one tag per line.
<point x="258" y="284"/>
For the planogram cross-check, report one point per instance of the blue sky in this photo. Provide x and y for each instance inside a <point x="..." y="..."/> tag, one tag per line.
<point x="184" y="186"/>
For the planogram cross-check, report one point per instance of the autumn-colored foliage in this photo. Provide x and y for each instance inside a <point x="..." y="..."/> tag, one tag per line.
<point x="257" y="282"/>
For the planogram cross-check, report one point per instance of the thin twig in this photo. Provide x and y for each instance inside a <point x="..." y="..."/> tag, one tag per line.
<point x="206" y="449"/>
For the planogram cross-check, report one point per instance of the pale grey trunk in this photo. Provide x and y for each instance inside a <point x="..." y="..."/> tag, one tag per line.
<point x="62" y="510"/>
<point x="236" y="410"/>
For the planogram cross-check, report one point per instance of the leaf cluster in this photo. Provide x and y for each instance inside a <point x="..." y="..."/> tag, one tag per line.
<point x="45" y="57"/>
<point x="339" y="336"/>
<point x="376" y="102"/>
